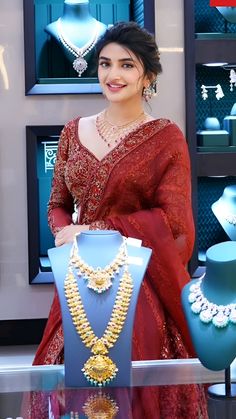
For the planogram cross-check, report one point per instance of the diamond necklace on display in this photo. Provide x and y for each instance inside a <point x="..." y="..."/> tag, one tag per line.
<point x="112" y="134"/>
<point x="219" y="315"/>
<point x="79" y="64"/>
<point x="99" y="279"/>
<point x="231" y="219"/>
<point x="99" y="369"/>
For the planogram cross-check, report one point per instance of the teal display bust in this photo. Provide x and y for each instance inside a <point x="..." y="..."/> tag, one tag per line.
<point x="212" y="135"/>
<point x="229" y="13"/>
<point x="225" y="211"/>
<point x="214" y="340"/>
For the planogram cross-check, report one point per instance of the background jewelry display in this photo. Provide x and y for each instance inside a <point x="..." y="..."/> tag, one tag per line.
<point x="208" y="39"/>
<point x="41" y="147"/>
<point x="47" y="71"/>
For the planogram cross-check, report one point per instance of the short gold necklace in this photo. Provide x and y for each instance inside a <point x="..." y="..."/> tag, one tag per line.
<point x="99" y="369"/>
<point x="99" y="279"/>
<point x="112" y="134"/>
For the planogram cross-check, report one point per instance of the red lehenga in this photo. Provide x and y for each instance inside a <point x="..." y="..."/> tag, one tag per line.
<point x="142" y="189"/>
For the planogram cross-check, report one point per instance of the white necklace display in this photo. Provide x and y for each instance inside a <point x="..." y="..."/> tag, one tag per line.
<point x="219" y="315"/>
<point x="231" y="219"/>
<point x="79" y="64"/>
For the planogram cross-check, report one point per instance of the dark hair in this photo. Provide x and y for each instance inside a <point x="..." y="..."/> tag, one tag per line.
<point x="138" y="40"/>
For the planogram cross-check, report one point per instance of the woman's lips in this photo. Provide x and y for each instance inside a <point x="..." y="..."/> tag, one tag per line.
<point x="115" y="87"/>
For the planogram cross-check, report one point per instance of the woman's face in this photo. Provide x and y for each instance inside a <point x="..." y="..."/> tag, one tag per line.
<point x="120" y="73"/>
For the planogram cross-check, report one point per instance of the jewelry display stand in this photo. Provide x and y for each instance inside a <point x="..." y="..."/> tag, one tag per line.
<point x="98" y="248"/>
<point x="222" y="399"/>
<point x="225" y="211"/>
<point x="77" y="32"/>
<point x="210" y="308"/>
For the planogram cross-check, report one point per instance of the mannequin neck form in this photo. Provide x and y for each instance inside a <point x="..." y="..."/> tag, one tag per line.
<point x="78" y="10"/>
<point x="219" y="283"/>
<point x="229" y="197"/>
<point x="104" y="237"/>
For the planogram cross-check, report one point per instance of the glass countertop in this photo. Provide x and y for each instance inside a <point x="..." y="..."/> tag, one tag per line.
<point x="47" y="382"/>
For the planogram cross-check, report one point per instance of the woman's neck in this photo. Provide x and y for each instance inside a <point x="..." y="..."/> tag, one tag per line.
<point x="78" y="10"/>
<point x="118" y="114"/>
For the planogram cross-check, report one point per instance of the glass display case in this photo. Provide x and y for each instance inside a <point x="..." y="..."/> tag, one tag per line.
<point x="210" y="41"/>
<point x="41" y="389"/>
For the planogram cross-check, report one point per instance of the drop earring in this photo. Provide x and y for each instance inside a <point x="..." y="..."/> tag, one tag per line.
<point x="204" y="92"/>
<point x="232" y="79"/>
<point x="150" y="91"/>
<point x="219" y="92"/>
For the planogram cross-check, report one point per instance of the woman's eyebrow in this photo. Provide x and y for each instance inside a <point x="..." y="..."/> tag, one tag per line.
<point x="121" y="59"/>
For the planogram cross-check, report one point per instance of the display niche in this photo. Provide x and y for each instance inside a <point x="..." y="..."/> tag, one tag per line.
<point x="41" y="148"/>
<point x="210" y="44"/>
<point x="52" y="46"/>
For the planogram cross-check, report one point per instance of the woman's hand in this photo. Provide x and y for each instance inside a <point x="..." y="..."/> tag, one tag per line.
<point x="66" y="234"/>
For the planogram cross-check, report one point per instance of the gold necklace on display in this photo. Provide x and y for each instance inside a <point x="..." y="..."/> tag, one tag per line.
<point x="99" y="279"/>
<point x="79" y="64"/>
<point x="99" y="369"/>
<point x="112" y="134"/>
<point x="100" y="406"/>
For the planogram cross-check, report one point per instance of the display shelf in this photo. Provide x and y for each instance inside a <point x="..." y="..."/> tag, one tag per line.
<point x="212" y="168"/>
<point x="216" y="164"/>
<point x="215" y="50"/>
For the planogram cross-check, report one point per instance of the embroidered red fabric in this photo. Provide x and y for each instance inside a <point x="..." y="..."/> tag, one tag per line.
<point x="142" y="189"/>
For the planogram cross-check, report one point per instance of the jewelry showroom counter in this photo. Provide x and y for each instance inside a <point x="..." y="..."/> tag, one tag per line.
<point x="16" y="382"/>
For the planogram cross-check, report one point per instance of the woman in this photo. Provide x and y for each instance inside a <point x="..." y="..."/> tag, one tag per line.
<point x="127" y="171"/>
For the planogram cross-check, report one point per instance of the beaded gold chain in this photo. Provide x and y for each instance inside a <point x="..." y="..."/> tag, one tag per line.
<point x="99" y="369"/>
<point x="99" y="279"/>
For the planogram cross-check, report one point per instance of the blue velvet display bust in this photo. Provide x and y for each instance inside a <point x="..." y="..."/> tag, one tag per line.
<point x="225" y="211"/>
<point x="98" y="248"/>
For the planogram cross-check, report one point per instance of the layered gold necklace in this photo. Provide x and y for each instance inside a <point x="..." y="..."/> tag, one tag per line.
<point x="98" y="279"/>
<point x="99" y="369"/>
<point x="112" y="134"/>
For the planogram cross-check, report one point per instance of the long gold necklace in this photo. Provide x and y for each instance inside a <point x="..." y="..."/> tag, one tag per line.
<point x="99" y="279"/>
<point x="112" y="134"/>
<point x="99" y="369"/>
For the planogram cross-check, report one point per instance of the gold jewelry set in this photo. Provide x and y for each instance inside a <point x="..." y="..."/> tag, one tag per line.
<point x="112" y="134"/>
<point x="98" y="406"/>
<point x="99" y="279"/>
<point x="99" y="369"/>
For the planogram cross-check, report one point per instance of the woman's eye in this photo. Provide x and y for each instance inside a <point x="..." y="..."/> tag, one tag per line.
<point x="128" y="66"/>
<point x="103" y="64"/>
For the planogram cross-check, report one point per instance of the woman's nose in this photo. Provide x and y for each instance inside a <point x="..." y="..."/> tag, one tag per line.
<point x="114" y="73"/>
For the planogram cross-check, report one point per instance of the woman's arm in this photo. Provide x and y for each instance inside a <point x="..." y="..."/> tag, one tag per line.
<point x="60" y="206"/>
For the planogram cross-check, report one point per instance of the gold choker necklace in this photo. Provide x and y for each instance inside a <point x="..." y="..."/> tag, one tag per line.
<point x="99" y="369"/>
<point x="99" y="279"/>
<point x="112" y="134"/>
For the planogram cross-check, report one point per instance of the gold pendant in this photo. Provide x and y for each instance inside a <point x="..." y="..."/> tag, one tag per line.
<point x="99" y="370"/>
<point x="100" y="406"/>
<point x="99" y="281"/>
